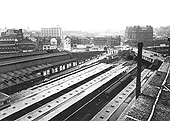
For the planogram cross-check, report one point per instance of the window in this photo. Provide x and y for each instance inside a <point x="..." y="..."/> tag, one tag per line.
<point x="56" y="69"/>
<point x="48" y="72"/>
<point x="67" y="65"/>
<point x="44" y="73"/>
<point x="74" y="63"/>
<point x="61" y="68"/>
<point x="53" y="71"/>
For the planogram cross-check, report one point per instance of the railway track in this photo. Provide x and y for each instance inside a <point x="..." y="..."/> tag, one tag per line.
<point x="91" y="104"/>
<point x="48" y="92"/>
<point x="52" y="82"/>
<point x="55" y="88"/>
<point x="56" y="106"/>
<point x="111" y="108"/>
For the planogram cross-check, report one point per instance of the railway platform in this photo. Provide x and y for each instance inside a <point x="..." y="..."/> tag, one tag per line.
<point x="89" y="83"/>
<point x="153" y="102"/>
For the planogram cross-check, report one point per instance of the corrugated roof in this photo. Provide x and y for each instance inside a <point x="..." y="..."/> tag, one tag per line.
<point x="35" y="68"/>
<point x="11" y="74"/>
<point x="6" y="76"/>
<point x="19" y="60"/>
<point x="54" y="64"/>
<point x="17" y="72"/>
<point x="29" y="69"/>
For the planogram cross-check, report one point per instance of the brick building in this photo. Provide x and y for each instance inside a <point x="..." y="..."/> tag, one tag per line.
<point x="14" y="33"/>
<point x="9" y="40"/>
<point x="8" y="44"/>
<point x="26" y="45"/>
<point x="12" y="41"/>
<point x="138" y="33"/>
<point x="109" y="41"/>
<point x="51" y="32"/>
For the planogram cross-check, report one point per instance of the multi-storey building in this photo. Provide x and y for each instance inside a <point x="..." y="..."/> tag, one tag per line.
<point x="8" y="44"/>
<point x="26" y="45"/>
<point x="115" y="41"/>
<point x="139" y="34"/>
<point x="100" y="41"/>
<point x="78" y="40"/>
<point x="51" y="32"/>
<point x="12" y="41"/>
<point x="9" y="41"/>
<point x="3" y="30"/>
<point x="107" y="41"/>
<point x="14" y="33"/>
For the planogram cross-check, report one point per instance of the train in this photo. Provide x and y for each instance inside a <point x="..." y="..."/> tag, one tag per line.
<point x="4" y="100"/>
<point x="121" y="83"/>
<point x="110" y="59"/>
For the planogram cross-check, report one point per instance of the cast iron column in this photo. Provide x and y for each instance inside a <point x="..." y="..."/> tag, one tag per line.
<point x="139" y="61"/>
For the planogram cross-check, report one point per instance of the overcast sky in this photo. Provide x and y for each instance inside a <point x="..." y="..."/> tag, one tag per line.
<point x="83" y="15"/>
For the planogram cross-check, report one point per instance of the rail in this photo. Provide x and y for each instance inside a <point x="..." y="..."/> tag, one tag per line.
<point x="50" y="90"/>
<point x="51" y="109"/>
<point x="115" y="103"/>
<point x="49" y="83"/>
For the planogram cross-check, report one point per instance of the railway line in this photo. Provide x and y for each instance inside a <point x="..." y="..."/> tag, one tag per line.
<point x="63" y="102"/>
<point x="78" y="95"/>
<point x="61" y="85"/>
<point x="96" y="100"/>
<point x="51" y="89"/>
<point x="94" y="90"/>
<point x="109" y="110"/>
<point x="49" y="83"/>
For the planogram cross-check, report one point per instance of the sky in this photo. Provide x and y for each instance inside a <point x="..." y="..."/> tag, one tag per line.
<point x="85" y="15"/>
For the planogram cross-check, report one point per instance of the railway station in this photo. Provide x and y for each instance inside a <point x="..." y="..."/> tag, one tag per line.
<point x="83" y="86"/>
<point x="88" y="60"/>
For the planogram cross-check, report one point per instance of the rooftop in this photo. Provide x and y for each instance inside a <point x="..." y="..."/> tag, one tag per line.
<point x="153" y="103"/>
